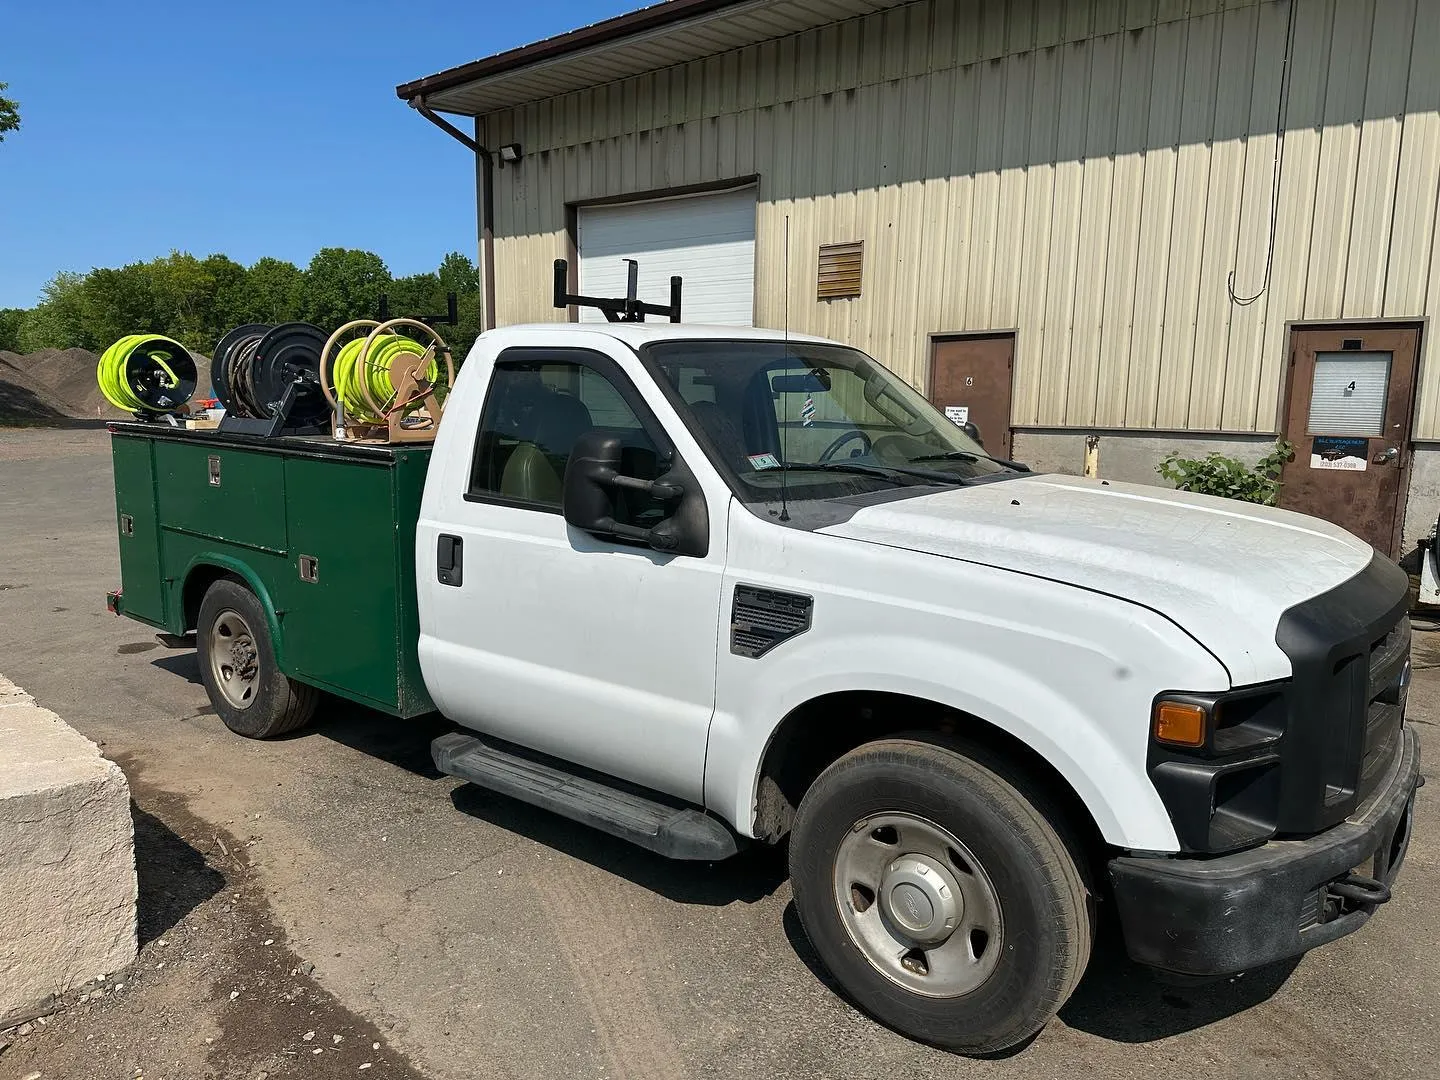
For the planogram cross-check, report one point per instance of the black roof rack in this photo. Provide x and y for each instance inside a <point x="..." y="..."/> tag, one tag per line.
<point x="618" y="309"/>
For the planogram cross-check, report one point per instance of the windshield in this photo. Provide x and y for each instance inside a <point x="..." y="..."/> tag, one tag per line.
<point x="829" y="419"/>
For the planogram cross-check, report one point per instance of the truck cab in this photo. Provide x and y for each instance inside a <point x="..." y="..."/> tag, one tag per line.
<point x="703" y="587"/>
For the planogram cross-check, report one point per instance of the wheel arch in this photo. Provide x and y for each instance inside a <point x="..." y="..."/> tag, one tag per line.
<point x="834" y="723"/>
<point x="206" y="569"/>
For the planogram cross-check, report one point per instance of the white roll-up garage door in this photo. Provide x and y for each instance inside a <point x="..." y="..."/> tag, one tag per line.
<point x="709" y="240"/>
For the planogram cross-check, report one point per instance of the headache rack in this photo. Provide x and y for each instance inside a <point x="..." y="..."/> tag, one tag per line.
<point x="627" y="308"/>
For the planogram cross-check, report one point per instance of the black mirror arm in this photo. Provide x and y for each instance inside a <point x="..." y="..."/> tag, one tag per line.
<point x="611" y="527"/>
<point x="662" y="489"/>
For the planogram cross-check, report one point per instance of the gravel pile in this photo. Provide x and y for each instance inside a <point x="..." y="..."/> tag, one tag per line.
<point x="53" y="384"/>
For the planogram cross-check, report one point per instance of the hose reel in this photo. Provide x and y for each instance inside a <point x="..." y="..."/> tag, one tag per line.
<point x="268" y="378"/>
<point x="147" y="374"/>
<point x="383" y="385"/>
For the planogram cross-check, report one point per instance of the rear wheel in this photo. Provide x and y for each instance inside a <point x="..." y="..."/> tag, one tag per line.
<point x="943" y="901"/>
<point x="237" y="665"/>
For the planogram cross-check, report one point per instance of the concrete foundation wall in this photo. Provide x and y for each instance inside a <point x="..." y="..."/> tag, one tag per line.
<point x="1423" y="503"/>
<point x="67" y="859"/>
<point x="1130" y="457"/>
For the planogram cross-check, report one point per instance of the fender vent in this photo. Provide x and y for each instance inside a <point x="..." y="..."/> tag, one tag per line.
<point x="763" y="618"/>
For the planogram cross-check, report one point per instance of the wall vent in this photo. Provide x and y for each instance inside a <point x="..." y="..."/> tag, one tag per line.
<point x="841" y="267"/>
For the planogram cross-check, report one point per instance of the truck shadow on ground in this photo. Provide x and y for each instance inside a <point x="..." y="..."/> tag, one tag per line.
<point x="174" y="877"/>
<point x="750" y="876"/>
<point x="184" y="664"/>
<point x="402" y="743"/>
<point x="1118" y="999"/>
<point x="1126" y="1002"/>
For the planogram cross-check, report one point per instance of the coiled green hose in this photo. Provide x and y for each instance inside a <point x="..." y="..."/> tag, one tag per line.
<point x="362" y="388"/>
<point x="146" y="373"/>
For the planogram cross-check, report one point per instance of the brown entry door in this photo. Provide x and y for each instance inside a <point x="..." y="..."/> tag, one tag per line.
<point x="1348" y="413"/>
<point x="970" y="377"/>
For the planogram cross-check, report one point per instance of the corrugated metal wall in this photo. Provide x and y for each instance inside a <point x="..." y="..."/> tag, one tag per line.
<point x="1088" y="173"/>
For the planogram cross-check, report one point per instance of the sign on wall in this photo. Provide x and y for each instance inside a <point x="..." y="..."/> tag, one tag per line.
<point x="1338" y="452"/>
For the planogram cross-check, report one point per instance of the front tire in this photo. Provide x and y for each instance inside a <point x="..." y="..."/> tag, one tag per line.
<point x="945" y="904"/>
<point x="237" y="665"/>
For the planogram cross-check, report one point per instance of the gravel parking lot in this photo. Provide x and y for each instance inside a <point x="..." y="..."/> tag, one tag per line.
<point x="469" y="935"/>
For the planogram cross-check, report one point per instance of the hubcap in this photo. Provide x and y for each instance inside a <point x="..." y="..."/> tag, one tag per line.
<point x="918" y="904"/>
<point x="234" y="659"/>
<point x="921" y="898"/>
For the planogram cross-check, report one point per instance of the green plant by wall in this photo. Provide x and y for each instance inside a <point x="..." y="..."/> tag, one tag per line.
<point x="1216" y="474"/>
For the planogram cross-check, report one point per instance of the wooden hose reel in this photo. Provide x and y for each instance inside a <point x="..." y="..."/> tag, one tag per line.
<point x="384" y="386"/>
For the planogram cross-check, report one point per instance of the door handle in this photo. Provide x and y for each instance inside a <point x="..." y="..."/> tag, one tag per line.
<point x="450" y="560"/>
<point x="1386" y="456"/>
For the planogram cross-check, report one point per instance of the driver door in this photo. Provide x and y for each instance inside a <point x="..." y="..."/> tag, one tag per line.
<point x="595" y="651"/>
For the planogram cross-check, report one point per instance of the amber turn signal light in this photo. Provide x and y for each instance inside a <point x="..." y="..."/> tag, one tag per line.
<point x="1179" y="723"/>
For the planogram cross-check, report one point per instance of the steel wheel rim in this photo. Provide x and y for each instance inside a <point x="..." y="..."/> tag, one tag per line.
<point x="234" y="659"/>
<point x="918" y="905"/>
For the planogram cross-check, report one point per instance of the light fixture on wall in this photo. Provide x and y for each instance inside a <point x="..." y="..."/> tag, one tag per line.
<point x="510" y="153"/>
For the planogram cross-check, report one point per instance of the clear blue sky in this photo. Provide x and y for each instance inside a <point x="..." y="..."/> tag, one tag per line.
<point x="257" y="128"/>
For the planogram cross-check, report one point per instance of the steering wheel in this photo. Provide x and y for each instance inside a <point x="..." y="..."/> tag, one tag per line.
<point x="845" y="437"/>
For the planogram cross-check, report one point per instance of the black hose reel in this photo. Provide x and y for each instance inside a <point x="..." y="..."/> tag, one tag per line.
<point x="268" y="379"/>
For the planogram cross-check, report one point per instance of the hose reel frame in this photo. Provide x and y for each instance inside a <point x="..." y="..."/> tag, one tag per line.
<point x="149" y="375"/>
<point x="412" y="409"/>
<point x="268" y="378"/>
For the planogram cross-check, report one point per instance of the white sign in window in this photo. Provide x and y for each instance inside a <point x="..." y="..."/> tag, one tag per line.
<point x="1348" y="395"/>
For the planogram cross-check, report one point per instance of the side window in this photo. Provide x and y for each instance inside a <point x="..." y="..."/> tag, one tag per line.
<point x="535" y="411"/>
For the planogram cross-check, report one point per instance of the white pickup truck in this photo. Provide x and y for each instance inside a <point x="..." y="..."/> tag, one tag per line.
<point x="702" y="587"/>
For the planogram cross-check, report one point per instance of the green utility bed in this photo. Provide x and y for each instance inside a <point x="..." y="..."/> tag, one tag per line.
<point x="322" y="532"/>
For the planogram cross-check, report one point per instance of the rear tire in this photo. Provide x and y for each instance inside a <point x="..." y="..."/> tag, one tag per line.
<point x="939" y="833"/>
<point x="237" y="665"/>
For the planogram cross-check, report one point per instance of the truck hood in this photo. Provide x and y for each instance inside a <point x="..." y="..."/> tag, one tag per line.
<point x="1223" y="571"/>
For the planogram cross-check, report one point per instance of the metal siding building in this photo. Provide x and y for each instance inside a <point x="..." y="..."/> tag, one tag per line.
<point x="1090" y="174"/>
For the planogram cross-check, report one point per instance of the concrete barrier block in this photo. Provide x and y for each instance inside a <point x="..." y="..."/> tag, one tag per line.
<point x="67" y="858"/>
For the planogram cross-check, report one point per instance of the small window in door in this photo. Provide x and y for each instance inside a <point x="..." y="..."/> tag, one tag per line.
<point x="1349" y="393"/>
<point x="535" y="412"/>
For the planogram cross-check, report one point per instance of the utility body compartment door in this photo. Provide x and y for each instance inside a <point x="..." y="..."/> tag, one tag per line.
<point x="597" y="652"/>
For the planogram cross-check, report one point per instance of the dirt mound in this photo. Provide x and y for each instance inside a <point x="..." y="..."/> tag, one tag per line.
<point x="52" y="384"/>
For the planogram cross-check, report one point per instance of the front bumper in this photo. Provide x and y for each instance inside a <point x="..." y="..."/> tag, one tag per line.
<point x="1218" y="916"/>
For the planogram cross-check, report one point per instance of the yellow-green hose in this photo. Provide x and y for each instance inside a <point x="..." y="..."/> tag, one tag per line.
<point x="146" y="373"/>
<point x="357" y="385"/>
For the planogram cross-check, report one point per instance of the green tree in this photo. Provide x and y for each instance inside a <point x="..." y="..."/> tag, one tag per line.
<point x="122" y="301"/>
<point x="9" y="114"/>
<point x="227" y="308"/>
<point x="343" y="284"/>
<point x="459" y="274"/>
<point x="273" y="291"/>
<point x="58" y="321"/>
<point x="10" y="320"/>
<point x="416" y="295"/>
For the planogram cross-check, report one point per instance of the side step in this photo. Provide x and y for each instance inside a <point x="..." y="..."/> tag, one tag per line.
<point x="673" y="831"/>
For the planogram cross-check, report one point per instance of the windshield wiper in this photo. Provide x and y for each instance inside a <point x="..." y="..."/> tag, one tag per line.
<point x="879" y="472"/>
<point x="953" y="455"/>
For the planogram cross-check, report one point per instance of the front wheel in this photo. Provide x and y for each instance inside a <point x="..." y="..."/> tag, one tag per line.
<point x="945" y="904"/>
<point x="237" y="665"/>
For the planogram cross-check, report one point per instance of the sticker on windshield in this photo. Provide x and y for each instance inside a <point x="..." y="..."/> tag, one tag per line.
<point x="764" y="461"/>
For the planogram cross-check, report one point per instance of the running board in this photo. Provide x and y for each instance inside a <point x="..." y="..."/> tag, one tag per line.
<point x="673" y="831"/>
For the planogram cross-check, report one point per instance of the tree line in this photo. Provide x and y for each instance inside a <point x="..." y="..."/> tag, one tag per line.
<point x="196" y="300"/>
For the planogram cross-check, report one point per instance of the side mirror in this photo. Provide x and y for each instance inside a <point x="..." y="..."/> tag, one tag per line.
<point x="592" y="478"/>
<point x="974" y="432"/>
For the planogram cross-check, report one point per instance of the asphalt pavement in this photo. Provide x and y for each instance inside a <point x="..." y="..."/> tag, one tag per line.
<point x="485" y="937"/>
